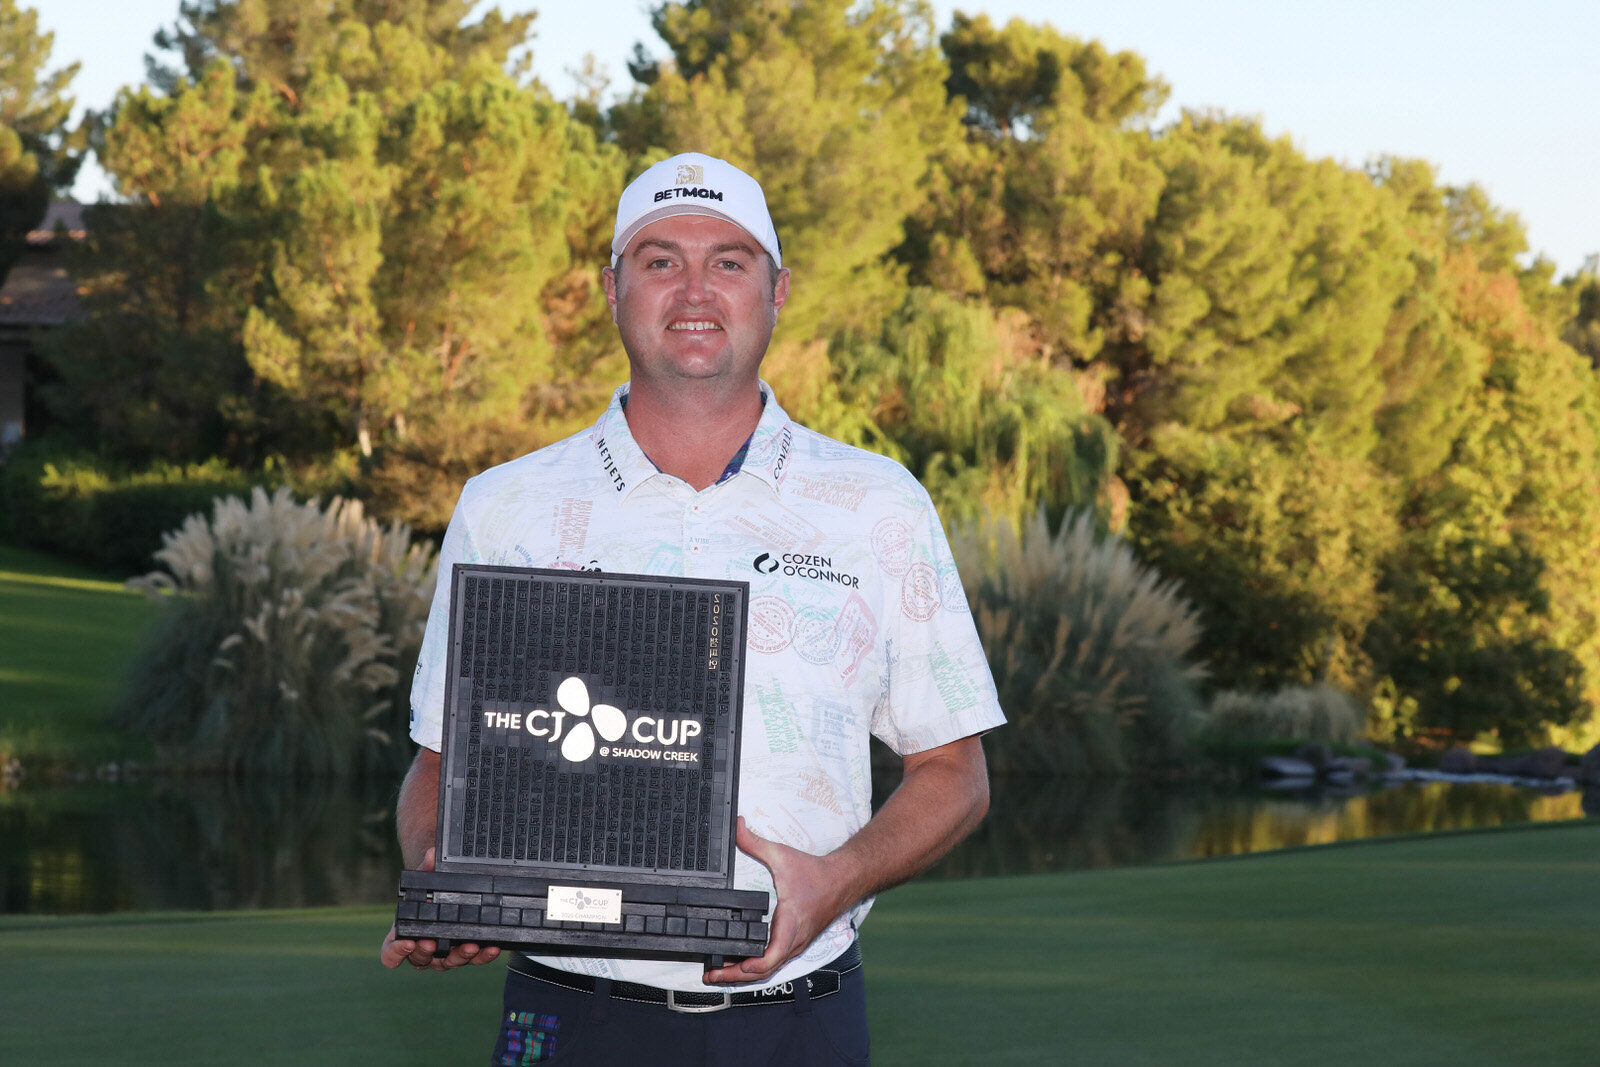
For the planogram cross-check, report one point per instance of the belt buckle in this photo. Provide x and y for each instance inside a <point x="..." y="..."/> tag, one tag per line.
<point x="696" y="1009"/>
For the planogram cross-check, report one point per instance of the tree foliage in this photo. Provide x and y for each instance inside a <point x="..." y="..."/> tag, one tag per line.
<point x="364" y="233"/>
<point x="1335" y="404"/>
<point x="39" y="155"/>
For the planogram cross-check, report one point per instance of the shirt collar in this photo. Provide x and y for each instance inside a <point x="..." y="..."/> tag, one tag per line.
<point x="768" y="456"/>
<point x="626" y="466"/>
<point x="622" y="461"/>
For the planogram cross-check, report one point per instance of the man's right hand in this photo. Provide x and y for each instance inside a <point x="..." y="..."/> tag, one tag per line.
<point x="419" y="952"/>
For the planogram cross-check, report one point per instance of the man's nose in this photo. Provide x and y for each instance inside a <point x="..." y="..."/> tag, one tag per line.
<point x="693" y="284"/>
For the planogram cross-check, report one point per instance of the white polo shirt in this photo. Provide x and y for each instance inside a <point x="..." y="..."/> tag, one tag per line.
<point x="856" y="622"/>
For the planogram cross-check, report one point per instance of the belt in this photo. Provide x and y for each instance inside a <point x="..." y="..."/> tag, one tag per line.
<point x="822" y="982"/>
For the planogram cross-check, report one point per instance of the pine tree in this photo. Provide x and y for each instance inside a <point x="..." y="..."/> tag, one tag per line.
<point x="1489" y="619"/>
<point x="1249" y="401"/>
<point x="154" y="369"/>
<point x="1045" y="203"/>
<point x="387" y="227"/>
<point x="38" y="154"/>
<point x="1581" y="328"/>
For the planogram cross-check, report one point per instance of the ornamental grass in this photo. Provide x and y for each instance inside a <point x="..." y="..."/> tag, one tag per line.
<point x="1297" y="712"/>
<point x="288" y="641"/>
<point x="1090" y="648"/>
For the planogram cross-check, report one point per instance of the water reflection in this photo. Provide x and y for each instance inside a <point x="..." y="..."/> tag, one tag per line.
<point x="196" y="845"/>
<point x="1037" y="825"/>
<point x="220" y="845"/>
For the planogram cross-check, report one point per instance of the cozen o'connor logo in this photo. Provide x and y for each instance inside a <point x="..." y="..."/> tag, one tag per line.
<point x="801" y="565"/>
<point x="659" y="739"/>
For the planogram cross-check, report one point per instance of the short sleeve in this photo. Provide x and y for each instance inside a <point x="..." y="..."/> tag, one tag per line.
<point x="939" y="688"/>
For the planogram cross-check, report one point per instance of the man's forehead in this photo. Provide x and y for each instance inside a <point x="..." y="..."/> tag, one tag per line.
<point x="706" y="232"/>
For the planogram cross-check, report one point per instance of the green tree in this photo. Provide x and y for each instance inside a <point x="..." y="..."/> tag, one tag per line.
<point x="278" y="43"/>
<point x="1464" y="639"/>
<point x="1582" y="329"/>
<point x="1249" y="400"/>
<point x="1493" y="428"/>
<point x="390" y="228"/>
<point x="38" y="154"/>
<point x="408" y="275"/>
<point x="1045" y="204"/>
<point x="971" y="404"/>
<point x="154" y="369"/>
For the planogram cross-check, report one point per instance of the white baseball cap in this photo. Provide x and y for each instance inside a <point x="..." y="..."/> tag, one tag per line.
<point x="695" y="184"/>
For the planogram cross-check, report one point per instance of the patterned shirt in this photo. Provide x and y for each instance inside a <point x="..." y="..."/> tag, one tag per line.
<point x="856" y="622"/>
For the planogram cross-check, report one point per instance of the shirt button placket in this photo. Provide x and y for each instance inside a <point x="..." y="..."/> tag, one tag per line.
<point x="694" y="539"/>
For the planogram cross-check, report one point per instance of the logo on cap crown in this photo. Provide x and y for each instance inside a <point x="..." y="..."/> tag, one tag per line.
<point x="690" y="175"/>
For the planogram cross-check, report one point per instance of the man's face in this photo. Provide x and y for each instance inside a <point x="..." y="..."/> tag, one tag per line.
<point x="694" y="299"/>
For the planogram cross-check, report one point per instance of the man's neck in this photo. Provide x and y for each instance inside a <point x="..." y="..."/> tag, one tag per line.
<point x="692" y="433"/>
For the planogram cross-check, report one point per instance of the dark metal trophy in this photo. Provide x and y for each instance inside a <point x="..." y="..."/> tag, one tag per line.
<point x="589" y="775"/>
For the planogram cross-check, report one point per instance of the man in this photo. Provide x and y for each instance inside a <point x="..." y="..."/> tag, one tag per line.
<point x="857" y="625"/>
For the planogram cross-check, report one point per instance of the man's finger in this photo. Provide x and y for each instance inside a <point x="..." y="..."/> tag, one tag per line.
<point x="765" y="851"/>
<point x="395" y="950"/>
<point x="754" y="969"/>
<point x="421" y="954"/>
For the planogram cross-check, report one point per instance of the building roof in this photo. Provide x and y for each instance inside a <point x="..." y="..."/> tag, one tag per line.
<point x="38" y="291"/>
<point x="38" y="294"/>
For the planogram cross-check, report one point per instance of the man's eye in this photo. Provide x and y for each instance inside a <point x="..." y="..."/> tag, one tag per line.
<point x="659" y="263"/>
<point x="731" y="264"/>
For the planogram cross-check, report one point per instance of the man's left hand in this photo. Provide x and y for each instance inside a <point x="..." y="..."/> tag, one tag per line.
<point x="942" y="796"/>
<point x="807" y="888"/>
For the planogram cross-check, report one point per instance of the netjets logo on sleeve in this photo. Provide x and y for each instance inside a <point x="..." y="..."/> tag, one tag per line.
<point x="577" y="721"/>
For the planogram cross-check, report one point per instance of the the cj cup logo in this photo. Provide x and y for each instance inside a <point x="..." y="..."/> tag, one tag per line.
<point x="573" y="696"/>
<point x="577" y="737"/>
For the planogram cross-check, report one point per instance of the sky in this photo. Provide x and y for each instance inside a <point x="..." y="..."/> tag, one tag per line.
<point x="1501" y="93"/>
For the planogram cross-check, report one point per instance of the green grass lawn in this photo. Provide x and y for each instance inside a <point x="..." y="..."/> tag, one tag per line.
<point x="65" y="635"/>
<point x="1460" y="949"/>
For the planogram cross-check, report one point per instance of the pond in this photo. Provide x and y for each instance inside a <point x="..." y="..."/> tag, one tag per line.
<point x="206" y="845"/>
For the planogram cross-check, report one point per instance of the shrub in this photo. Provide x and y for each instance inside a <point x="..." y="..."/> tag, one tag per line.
<point x="74" y="504"/>
<point x="1298" y="712"/>
<point x="288" y="641"/>
<point x="1089" y="647"/>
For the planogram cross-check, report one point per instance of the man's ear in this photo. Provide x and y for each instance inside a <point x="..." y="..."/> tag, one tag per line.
<point x="780" y="291"/>
<point x="608" y="278"/>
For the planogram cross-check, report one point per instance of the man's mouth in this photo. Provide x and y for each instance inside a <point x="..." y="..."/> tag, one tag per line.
<point x="693" y="325"/>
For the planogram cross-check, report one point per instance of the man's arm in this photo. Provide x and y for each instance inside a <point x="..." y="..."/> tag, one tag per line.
<point x="416" y="816"/>
<point x="943" y="796"/>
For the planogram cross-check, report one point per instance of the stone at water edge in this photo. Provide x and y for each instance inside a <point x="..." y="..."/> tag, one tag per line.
<point x="1356" y="766"/>
<point x="1286" y="767"/>
<point x="1458" y="761"/>
<point x="1546" y="763"/>
<point x="1315" y="753"/>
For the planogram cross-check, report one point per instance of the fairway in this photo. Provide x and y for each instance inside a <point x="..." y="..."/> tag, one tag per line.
<point x="65" y="634"/>
<point x="1460" y="949"/>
